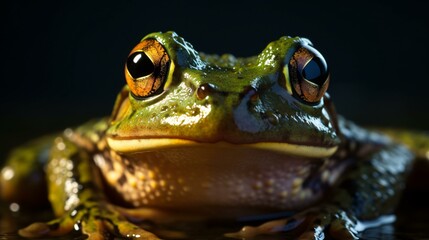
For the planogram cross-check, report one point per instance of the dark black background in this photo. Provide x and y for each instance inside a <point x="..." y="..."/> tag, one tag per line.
<point x="62" y="62"/>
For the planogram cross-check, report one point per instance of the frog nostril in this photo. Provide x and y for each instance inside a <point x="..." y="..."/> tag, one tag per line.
<point x="204" y="90"/>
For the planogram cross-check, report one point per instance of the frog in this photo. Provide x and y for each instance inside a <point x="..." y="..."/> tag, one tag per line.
<point x="195" y="136"/>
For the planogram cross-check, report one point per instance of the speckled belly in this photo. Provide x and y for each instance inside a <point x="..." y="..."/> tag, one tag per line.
<point x="210" y="178"/>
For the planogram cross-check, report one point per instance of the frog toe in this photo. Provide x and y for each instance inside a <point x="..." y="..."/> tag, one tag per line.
<point x="320" y="232"/>
<point x="330" y="221"/>
<point x="97" y="221"/>
<point x="310" y="224"/>
<point x="270" y="227"/>
<point x="35" y="230"/>
<point x="101" y="223"/>
<point x="132" y="231"/>
<point x="57" y="227"/>
<point x="94" y="229"/>
<point x="99" y="229"/>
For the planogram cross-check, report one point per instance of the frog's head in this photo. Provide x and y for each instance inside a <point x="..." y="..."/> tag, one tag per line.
<point x="260" y="127"/>
<point x="177" y="96"/>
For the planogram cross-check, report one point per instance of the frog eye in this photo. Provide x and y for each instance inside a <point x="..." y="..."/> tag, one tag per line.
<point x="147" y="69"/>
<point x="307" y="75"/>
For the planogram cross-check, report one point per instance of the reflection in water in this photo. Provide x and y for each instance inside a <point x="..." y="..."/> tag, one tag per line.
<point x="412" y="223"/>
<point x="382" y="232"/>
<point x="383" y="220"/>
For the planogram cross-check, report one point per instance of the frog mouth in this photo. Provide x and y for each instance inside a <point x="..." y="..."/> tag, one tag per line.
<point x="150" y="144"/>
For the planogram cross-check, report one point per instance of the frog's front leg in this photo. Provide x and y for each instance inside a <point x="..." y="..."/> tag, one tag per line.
<point x="75" y="192"/>
<point x="370" y="189"/>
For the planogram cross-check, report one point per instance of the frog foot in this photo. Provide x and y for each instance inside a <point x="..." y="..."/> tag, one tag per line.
<point x="97" y="220"/>
<point x="310" y="224"/>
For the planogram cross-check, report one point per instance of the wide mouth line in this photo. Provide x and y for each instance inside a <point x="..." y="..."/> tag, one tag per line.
<point x="147" y="144"/>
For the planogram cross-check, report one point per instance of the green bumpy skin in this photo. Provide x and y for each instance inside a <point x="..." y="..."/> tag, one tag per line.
<point x="215" y="137"/>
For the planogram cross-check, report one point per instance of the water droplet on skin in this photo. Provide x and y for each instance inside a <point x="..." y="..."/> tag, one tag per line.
<point x="76" y="227"/>
<point x="194" y="111"/>
<point x="73" y="213"/>
<point x="68" y="132"/>
<point x="7" y="173"/>
<point x="272" y="118"/>
<point x="14" y="207"/>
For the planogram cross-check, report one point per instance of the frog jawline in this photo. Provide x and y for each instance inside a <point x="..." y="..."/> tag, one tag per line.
<point x="136" y="145"/>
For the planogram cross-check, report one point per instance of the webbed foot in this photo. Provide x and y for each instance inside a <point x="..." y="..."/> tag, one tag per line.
<point x="97" y="220"/>
<point x="310" y="224"/>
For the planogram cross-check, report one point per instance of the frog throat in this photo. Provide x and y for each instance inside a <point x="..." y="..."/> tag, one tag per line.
<point x="138" y="145"/>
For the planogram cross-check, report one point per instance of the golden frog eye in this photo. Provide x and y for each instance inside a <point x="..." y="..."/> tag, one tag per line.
<point x="147" y="68"/>
<point x="307" y="75"/>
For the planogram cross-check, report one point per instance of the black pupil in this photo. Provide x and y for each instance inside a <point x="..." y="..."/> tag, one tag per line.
<point x="315" y="71"/>
<point x="139" y="65"/>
